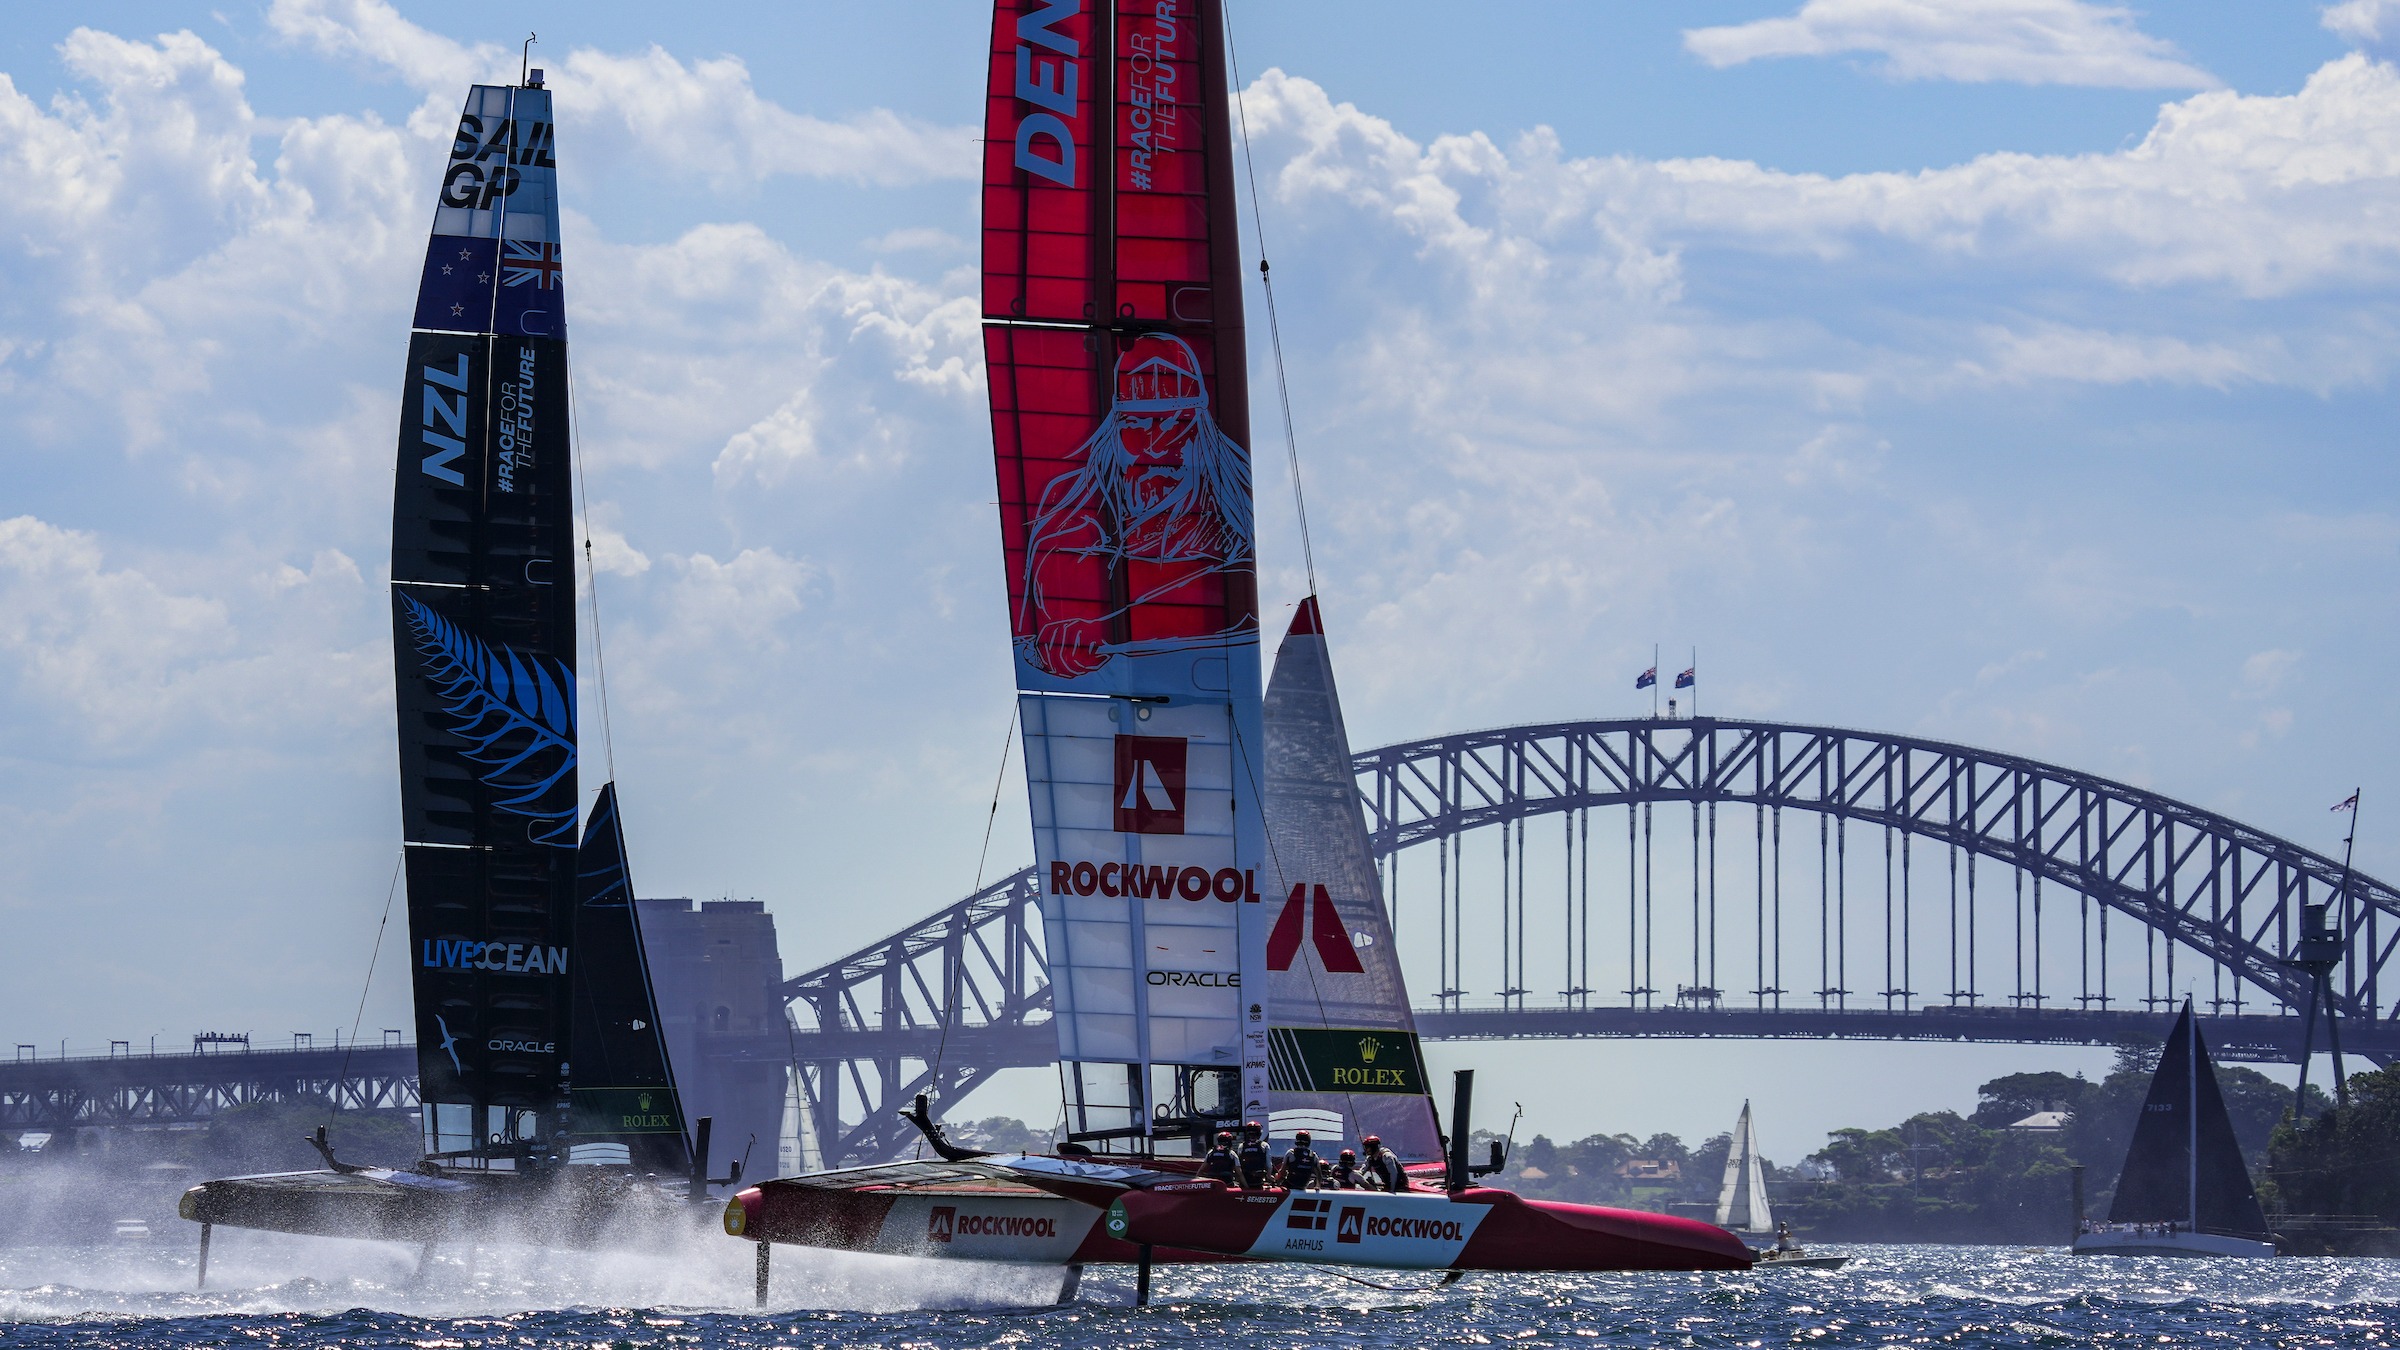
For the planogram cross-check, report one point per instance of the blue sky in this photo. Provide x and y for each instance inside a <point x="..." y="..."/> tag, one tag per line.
<point x="2011" y="371"/>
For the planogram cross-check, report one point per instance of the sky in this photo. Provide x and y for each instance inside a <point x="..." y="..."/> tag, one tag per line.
<point x="2013" y="372"/>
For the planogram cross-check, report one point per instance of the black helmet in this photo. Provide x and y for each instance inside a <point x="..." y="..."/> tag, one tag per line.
<point x="1249" y="1127"/>
<point x="1352" y="1156"/>
<point x="1224" y="1136"/>
<point x="1299" y="1136"/>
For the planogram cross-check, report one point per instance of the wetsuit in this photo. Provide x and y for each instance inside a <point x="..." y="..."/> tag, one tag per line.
<point x="1384" y="1172"/>
<point x="1255" y="1165"/>
<point x="1220" y="1164"/>
<point x="1300" y="1167"/>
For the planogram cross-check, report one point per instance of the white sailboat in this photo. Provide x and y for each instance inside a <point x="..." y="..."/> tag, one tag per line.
<point x="1744" y="1209"/>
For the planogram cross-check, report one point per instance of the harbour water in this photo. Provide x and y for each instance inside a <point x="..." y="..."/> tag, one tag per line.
<point x="272" y="1292"/>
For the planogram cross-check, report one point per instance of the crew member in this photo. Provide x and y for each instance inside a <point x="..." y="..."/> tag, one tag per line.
<point x="1299" y="1168"/>
<point x="1383" y="1170"/>
<point x="1345" y="1175"/>
<point x="1254" y="1160"/>
<point x="1783" y="1238"/>
<point x="1219" y="1163"/>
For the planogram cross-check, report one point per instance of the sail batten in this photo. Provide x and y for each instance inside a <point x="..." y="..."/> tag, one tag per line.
<point x="1112" y="338"/>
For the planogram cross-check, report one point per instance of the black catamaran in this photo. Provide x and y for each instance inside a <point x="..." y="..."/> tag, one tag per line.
<point x="2185" y="1190"/>
<point x="549" y="1107"/>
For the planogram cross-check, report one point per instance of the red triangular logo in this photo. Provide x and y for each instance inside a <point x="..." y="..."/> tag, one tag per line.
<point x="1334" y="948"/>
<point x="1283" y="942"/>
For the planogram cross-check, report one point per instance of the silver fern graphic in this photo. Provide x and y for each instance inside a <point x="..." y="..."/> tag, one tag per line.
<point x="515" y="711"/>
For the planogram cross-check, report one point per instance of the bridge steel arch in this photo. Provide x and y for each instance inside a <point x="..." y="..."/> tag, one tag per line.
<point x="948" y="1001"/>
<point x="2206" y="882"/>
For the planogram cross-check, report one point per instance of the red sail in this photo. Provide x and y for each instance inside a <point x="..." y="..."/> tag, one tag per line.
<point x="1113" y="332"/>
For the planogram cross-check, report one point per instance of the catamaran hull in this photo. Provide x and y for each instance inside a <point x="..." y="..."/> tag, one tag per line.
<point x="1028" y="1228"/>
<point x="382" y="1205"/>
<point x="1476" y="1229"/>
<point x="2170" y="1244"/>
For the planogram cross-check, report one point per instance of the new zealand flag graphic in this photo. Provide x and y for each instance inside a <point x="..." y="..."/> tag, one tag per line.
<point x="513" y="287"/>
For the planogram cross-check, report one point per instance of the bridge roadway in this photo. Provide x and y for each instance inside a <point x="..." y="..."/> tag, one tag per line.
<point x="175" y="1089"/>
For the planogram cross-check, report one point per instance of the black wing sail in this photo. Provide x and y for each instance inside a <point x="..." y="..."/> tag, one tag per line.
<point x="624" y="1086"/>
<point x="483" y="621"/>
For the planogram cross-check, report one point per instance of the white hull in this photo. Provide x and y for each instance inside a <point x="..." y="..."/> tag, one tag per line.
<point x="2169" y="1244"/>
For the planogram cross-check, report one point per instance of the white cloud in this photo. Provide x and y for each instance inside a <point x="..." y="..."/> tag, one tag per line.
<point x="2363" y="21"/>
<point x="700" y="117"/>
<point x="2264" y="672"/>
<point x="2266" y="194"/>
<point x="111" y="645"/>
<point x="1978" y="41"/>
<point x="2053" y="352"/>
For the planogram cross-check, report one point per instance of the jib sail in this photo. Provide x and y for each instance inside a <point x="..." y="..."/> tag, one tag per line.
<point x="1113" y="335"/>
<point x="623" y="1087"/>
<point x="1343" y="1048"/>
<point x="483" y="617"/>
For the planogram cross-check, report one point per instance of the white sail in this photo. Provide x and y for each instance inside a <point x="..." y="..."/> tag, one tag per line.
<point x="1134" y="810"/>
<point x="1345" y="1058"/>
<point x="1742" y="1201"/>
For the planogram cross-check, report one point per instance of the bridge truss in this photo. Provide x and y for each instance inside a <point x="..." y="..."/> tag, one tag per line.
<point x="129" y="1089"/>
<point x="1994" y="871"/>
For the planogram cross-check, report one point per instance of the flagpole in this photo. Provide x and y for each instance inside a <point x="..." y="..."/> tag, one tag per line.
<point x="1695" y="682"/>
<point x="1653" y="681"/>
<point x="2333" y="1034"/>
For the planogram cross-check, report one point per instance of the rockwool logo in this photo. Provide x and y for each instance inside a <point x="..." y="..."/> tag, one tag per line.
<point x="1438" y="1230"/>
<point x="945" y="1222"/>
<point x="1150" y="778"/>
<point x="1347" y="1228"/>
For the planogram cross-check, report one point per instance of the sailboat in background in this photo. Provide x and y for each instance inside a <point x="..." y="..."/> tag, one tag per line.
<point x="1743" y="1207"/>
<point x="1215" y="936"/>
<point x="2185" y="1190"/>
<point x="549" y="1108"/>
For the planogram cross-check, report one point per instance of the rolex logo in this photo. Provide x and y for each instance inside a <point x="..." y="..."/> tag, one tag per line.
<point x="1367" y="1046"/>
<point x="645" y="1101"/>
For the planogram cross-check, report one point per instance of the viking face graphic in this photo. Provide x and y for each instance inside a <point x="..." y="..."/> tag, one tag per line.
<point x="1157" y="506"/>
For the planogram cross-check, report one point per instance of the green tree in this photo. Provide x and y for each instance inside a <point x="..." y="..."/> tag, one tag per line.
<point x="2010" y="1098"/>
<point x="1857" y="1155"/>
<point x="2346" y="1160"/>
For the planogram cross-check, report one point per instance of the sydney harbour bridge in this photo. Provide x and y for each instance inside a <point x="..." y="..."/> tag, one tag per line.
<point x="1651" y="877"/>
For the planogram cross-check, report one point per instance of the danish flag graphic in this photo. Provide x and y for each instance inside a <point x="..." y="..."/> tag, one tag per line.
<point x="1150" y="778"/>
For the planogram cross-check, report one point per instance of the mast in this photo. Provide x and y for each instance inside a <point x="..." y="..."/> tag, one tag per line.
<point x="483" y="615"/>
<point x="1120" y="417"/>
<point x="2192" y="1119"/>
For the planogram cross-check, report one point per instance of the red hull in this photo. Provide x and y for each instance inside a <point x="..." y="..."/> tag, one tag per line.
<point x="998" y="1223"/>
<point x="1476" y="1229"/>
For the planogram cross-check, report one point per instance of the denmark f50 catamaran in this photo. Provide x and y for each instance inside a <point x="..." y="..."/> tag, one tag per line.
<point x="1216" y="937"/>
<point x="549" y="1108"/>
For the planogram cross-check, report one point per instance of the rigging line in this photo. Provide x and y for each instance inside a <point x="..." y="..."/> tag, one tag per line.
<point x="360" y="1016"/>
<point x="1266" y="281"/>
<point x="591" y="577"/>
<point x="950" y="993"/>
